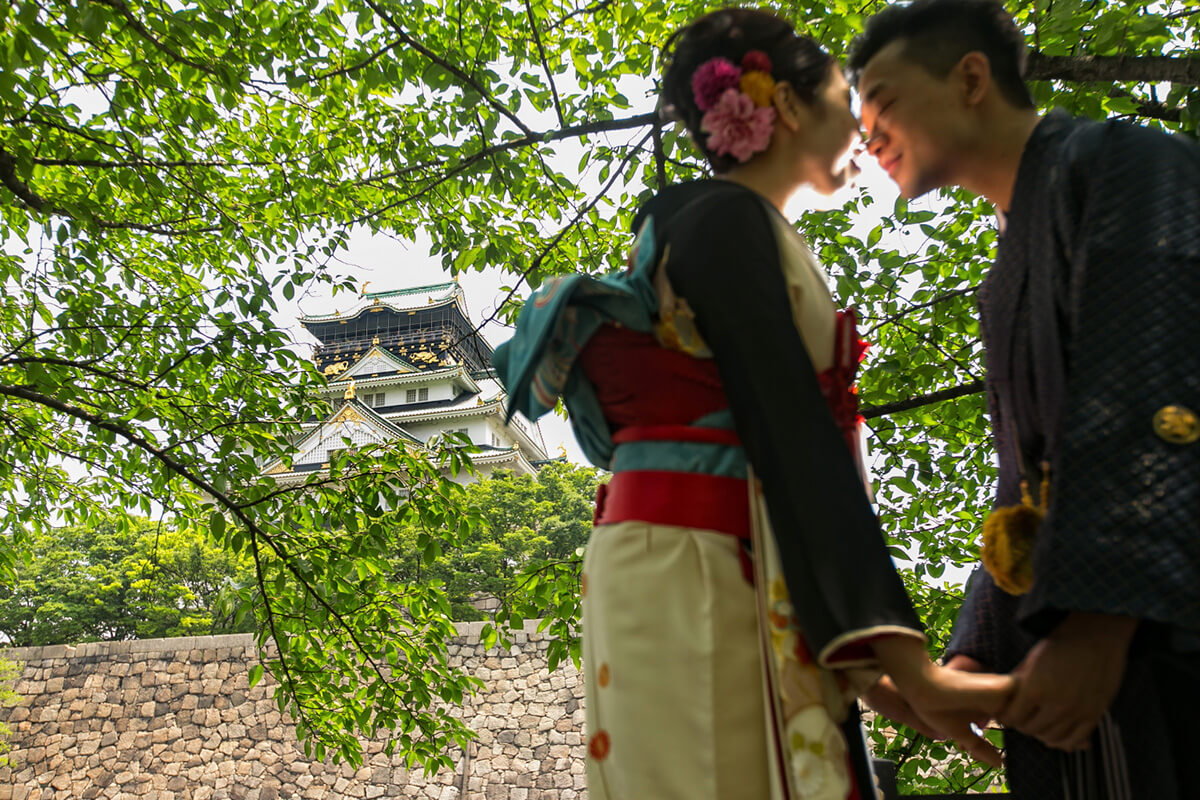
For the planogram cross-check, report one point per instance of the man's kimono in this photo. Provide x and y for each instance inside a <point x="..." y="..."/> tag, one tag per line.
<point x="1091" y="322"/>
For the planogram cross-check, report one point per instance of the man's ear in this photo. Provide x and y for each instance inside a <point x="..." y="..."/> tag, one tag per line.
<point x="790" y="110"/>
<point x="974" y="76"/>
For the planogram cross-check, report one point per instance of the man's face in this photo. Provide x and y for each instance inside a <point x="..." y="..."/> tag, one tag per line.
<point x="913" y="121"/>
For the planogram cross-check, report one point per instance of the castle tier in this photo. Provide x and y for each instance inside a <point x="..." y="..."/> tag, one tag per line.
<point x="409" y="365"/>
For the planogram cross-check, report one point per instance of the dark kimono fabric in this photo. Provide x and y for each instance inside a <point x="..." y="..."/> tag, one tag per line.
<point x="724" y="261"/>
<point x="1091" y="323"/>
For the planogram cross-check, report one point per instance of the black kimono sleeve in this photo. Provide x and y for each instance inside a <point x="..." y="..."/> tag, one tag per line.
<point x="1123" y="533"/>
<point x="724" y="261"/>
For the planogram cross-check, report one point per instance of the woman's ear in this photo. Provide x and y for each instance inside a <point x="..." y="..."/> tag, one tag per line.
<point x="790" y="110"/>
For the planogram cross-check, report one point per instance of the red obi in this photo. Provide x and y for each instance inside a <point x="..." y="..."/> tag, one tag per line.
<point x="650" y="393"/>
<point x="687" y="499"/>
<point x="640" y="382"/>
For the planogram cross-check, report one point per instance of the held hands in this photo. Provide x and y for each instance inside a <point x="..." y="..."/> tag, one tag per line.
<point x="1063" y="687"/>
<point x="1069" y="679"/>
<point x="943" y="702"/>
<point x="885" y="698"/>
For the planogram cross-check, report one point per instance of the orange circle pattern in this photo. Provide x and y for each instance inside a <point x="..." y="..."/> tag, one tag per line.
<point x="598" y="745"/>
<point x="603" y="676"/>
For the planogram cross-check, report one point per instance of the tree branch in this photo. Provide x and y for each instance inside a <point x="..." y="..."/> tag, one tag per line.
<point x="122" y="8"/>
<point x="908" y="404"/>
<point x="23" y="192"/>
<point x="537" y="39"/>
<point x="660" y="158"/>
<point x="1152" y="109"/>
<point x="8" y="177"/>
<point x="355" y="67"/>
<point x="583" y="129"/>
<point x="82" y="366"/>
<point x="446" y="65"/>
<point x="236" y="510"/>
<point x="138" y="164"/>
<point x="911" y="309"/>
<point x="592" y="9"/>
<point x="549" y="248"/>
<point x="1182" y="14"/>
<point x="1104" y="69"/>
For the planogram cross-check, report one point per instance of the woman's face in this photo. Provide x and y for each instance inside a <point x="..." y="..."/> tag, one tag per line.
<point x="827" y="144"/>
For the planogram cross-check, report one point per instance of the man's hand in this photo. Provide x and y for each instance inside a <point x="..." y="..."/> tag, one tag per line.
<point x="964" y="663"/>
<point x="1069" y="679"/>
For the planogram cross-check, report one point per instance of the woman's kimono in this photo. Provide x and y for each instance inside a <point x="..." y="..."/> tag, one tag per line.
<point x="737" y="571"/>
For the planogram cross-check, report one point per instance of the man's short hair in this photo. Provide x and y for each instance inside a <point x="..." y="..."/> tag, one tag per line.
<point x="938" y="33"/>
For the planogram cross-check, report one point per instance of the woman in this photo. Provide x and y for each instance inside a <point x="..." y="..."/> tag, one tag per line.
<point x="737" y="590"/>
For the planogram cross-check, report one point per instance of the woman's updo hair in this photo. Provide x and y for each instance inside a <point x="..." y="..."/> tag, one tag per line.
<point x="731" y="33"/>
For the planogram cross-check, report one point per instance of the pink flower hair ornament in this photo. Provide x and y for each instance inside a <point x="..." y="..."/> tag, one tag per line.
<point x="736" y="101"/>
<point x="737" y="127"/>
<point x="711" y="79"/>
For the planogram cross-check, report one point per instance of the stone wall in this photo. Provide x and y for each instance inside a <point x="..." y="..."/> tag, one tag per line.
<point x="175" y="719"/>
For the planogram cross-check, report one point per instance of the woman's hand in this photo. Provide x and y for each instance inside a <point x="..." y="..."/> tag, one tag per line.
<point x="947" y="701"/>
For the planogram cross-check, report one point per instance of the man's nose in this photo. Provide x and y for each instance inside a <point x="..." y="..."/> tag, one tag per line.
<point x="876" y="139"/>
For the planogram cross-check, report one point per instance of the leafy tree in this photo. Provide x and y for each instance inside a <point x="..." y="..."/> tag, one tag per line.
<point x="10" y="671"/>
<point x="121" y="578"/>
<point x="530" y="523"/>
<point x="172" y="172"/>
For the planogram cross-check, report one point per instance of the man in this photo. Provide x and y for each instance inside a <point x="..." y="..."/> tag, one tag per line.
<point x="1091" y="322"/>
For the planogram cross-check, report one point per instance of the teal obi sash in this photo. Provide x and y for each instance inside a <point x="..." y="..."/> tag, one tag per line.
<point x="536" y="366"/>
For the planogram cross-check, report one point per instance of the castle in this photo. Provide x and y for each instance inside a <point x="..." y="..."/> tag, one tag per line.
<point x="409" y="365"/>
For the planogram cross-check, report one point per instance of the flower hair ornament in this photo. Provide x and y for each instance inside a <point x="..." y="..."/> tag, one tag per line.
<point x="736" y="101"/>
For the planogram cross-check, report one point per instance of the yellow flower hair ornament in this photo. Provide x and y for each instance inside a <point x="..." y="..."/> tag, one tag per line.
<point x="759" y="86"/>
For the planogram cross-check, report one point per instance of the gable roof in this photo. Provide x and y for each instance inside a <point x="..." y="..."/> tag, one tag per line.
<point x="374" y="362"/>
<point x="354" y="421"/>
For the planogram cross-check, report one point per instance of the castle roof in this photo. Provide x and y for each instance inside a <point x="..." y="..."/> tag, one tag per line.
<point x="399" y="300"/>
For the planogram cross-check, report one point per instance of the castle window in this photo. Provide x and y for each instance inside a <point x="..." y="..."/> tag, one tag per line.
<point x="423" y="394"/>
<point x="410" y="396"/>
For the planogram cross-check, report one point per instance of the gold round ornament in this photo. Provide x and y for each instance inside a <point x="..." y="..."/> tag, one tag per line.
<point x="1177" y="425"/>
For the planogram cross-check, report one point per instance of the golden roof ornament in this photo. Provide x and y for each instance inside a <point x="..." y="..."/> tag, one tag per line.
<point x="348" y="414"/>
<point x="562" y="451"/>
<point x="363" y="289"/>
<point x="424" y="357"/>
<point x="375" y="341"/>
<point x="349" y="391"/>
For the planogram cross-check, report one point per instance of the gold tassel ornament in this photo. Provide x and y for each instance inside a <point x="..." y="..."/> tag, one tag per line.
<point x="1008" y="537"/>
